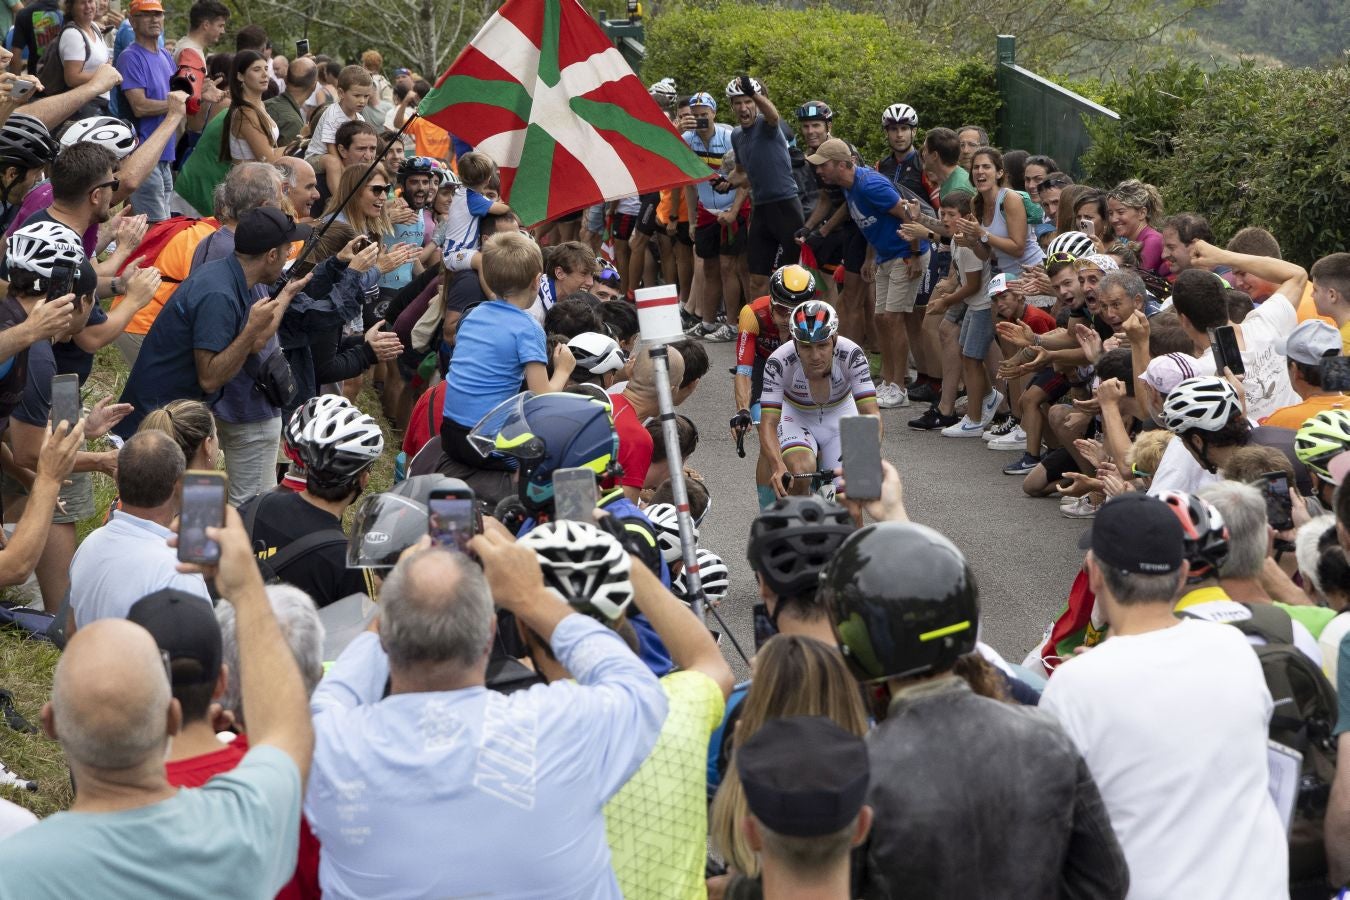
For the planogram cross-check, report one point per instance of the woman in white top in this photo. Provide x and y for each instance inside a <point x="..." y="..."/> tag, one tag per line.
<point x="1001" y="229"/>
<point x="252" y="133"/>
<point x="82" y="47"/>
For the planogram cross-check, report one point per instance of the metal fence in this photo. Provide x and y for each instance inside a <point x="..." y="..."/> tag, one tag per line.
<point x="1039" y="116"/>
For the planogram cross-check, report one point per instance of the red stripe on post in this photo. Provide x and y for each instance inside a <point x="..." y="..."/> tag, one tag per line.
<point x="662" y="301"/>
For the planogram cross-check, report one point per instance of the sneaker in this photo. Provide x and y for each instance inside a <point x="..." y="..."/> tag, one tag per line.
<point x="719" y="335"/>
<point x="1083" y="509"/>
<point x="999" y="427"/>
<point x="688" y="320"/>
<point x="1016" y="439"/>
<point x="696" y="330"/>
<point x="966" y="428"/>
<point x="990" y="406"/>
<point x="1022" y="466"/>
<point x="932" y="420"/>
<point x="1068" y="500"/>
<point x="890" y="396"/>
<point x="925" y="393"/>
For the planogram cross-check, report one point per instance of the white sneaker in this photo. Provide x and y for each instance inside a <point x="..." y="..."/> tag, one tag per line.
<point x="1083" y="509"/>
<point x="966" y="428"/>
<point x="1069" y="500"/>
<point x="990" y="406"/>
<point x="889" y="396"/>
<point x="1013" y="440"/>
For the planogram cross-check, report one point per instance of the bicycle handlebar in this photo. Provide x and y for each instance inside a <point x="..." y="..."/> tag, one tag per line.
<point x="818" y="477"/>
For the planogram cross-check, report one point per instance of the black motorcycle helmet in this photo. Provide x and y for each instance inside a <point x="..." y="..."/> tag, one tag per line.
<point x="903" y="601"/>
<point x="792" y="540"/>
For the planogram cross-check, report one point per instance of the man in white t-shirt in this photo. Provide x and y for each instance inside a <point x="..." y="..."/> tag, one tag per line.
<point x="1171" y="716"/>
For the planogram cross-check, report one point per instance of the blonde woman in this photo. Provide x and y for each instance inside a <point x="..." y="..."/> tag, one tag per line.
<point x="1132" y="207"/>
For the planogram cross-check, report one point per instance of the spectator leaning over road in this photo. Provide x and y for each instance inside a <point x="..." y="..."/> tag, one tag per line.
<point x="762" y="159"/>
<point x="129" y="830"/>
<point x="1171" y="716"/>
<point x="146" y="69"/>
<point x="128" y="558"/>
<point x="442" y="813"/>
<point x="905" y="608"/>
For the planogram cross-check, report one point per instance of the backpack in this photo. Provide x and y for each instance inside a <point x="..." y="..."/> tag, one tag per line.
<point x="1303" y="719"/>
<point x="157" y="238"/>
<point x="191" y="69"/>
<point x="52" y="69"/>
<point x="272" y="567"/>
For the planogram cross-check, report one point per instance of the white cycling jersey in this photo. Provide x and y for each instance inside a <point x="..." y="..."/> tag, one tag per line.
<point x="808" y="423"/>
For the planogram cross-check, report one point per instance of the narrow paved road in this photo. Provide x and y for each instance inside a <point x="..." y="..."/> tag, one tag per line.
<point x="1023" y="552"/>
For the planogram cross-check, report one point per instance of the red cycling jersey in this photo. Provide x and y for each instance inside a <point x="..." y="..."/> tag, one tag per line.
<point x="756" y="336"/>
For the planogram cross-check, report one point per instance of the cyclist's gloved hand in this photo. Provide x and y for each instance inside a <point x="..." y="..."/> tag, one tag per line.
<point x="742" y="419"/>
<point x="747" y="86"/>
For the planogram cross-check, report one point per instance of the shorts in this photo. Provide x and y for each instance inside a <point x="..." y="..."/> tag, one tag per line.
<point x="977" y="333"/>
<point x="926" y="283"/>
<point x="896" y="291"/>
<point x="646" y="217"/>
<point x="460" y="260"/>
<point x="570" y="217"/>
<point x="623" y="226"/>
<point x="75" y="501"/>
<point x="955" y="313"/>
<point x="773" y="235"/>
<point x="815" y="429"/>
<point x="716" y="239"/>
<point x="682" y="234"/>
<point x="595" y="218"/>
<point x="1053" y="384"/>
<point x="1056" y="463"/>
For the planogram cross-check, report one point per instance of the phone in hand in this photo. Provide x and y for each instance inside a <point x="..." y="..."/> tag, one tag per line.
<point x="1223" y="343"/>
<point x="22" y="90"/>
<point x="62" y="281"/>
<point x="203" y="507"/>
<point x="860" y="439"/>
<point x="1335" y="373"/>
<point x="66" y="405"/>
<point x="703" y="123"/>
<point x="1279" y="503"/>
<point x="1088" y="227"/>
<point x="302" y="48"/>
<point x="361" y="243"/>
<point x="452" y="518"/>
<point x="574" y="495"/>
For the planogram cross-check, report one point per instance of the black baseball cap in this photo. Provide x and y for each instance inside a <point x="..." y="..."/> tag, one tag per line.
<point x="1136" y="533"/>
<point x="803" y="776"/>
<point x="183" y="625"/>
<point x="266" y="228"/>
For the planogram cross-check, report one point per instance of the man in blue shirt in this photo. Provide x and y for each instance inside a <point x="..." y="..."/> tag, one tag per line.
<point x="205" y="333"/>
<point x="146" y="69"/>
<point x="895" y="264"/>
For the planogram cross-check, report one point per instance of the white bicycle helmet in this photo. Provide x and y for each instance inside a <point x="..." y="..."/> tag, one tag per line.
<point x="336" y="443"/>
<point x="106" y="131"/>
<point x="324" y="404"/>
<point x="35" y="247"/>
<point x="585" y="566"/>
<point x="1205" y="403"/>
<point x="667" y="522"/>
<point x="597" y="353"/>
<point x="713" y="575"/>
<point x="734" y="87"/>
<point x="899" y="114"/>
<point x="664" y="93"/>
<point x="1072" y="243"/>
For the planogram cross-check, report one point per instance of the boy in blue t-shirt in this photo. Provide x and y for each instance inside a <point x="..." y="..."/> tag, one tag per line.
<point x="467" y="209"/>
<point x="499" y="345"/>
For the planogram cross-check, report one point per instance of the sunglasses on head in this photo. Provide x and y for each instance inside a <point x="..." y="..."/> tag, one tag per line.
<point x="607" y="273"/>
<point x="1059" y="256"/>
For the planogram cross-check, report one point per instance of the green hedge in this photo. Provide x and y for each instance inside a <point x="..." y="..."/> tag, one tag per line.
<point x="1243" y="146"/>
<point x="855" y="62"/>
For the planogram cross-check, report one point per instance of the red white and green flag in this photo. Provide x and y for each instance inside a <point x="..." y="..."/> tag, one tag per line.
<point x="542" y="91"/>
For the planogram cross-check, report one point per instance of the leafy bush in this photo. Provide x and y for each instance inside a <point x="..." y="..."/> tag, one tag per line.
<point x="857" y="63"/>
<point x="1243" y="146"/>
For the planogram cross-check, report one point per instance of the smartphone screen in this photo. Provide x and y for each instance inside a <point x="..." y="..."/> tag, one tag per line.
<point x="1223" y="343"/>
<point x="451" y="520"/>
<point x="1336" y="373"/>
<point x="1279" y="505"/>
<point x="66" y="405"/>
<point x="302" y="47"/>
<point x="860" y="437"/>
<point x="62" y="281"/>
<point x="574" y="495"/>
<point x="203" y="507"/>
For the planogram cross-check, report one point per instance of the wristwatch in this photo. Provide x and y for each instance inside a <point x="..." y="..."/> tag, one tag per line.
<point x="984" y="238"/>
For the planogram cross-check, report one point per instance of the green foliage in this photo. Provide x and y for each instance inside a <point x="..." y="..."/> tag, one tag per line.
<point x="1243" y="146"/>
<point x="855" y="62"/>
<point x="1306" y="33"/>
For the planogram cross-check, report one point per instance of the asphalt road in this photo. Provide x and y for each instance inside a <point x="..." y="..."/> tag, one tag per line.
<point x="1023" y="552"/>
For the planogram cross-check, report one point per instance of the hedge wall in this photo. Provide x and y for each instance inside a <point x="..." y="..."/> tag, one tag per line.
<point x="855" y="62"/>
<point x="1243" y="146"/>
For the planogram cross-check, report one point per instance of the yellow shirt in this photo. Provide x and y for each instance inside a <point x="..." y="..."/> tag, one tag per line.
<point x="1294" y="416"/>
<point x="1345" y="339"/>
<point x="658" y="824"/>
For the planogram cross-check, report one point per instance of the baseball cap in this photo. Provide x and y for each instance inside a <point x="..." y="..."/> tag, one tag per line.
<point x="1169" y="370"/>
<point x="803" y="776"/>
<point x="1096" y="260"/>
<point x="832" y="150"/>
<point x="1310" y="342"/>
<point x="185" y="627"/>
<point x="402" y="71"/>
<point x="145" y="6"/>
<point x="703" y="98"/>
<point x="1136" y="533"/>
<point x="266" y="228"/>
<point x="1000" y="284"/>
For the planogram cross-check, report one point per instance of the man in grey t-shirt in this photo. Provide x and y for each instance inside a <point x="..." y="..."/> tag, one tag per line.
<point x="762" y="158"/>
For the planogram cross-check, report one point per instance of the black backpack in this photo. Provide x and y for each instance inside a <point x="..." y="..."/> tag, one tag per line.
<point x="273" y="566"/>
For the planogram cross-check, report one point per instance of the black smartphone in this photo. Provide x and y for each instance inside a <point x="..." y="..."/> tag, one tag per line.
<point x="860" y="439"/>
<point x="66" y="405"/>
<point x="1279" y="505"/>
<point x="302" y="48"/>
<point x="1223" y="343"/>
<point x="62" y="281"/>
<point x="574" y="495"/>
<point x="1336" y="373"/>
<point x="702" y="122"/>
<point x="452" y="518"/>
<point x="361" y="243"/>
<point x="204" y="495"/>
